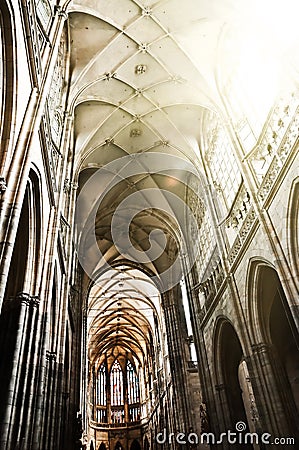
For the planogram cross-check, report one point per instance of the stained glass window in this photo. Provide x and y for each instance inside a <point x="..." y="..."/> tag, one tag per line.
<point x="116" y="384"/>
<point x="123" y="386"/>
<point x="101" y="391"/>
<point x="133" y="384"/>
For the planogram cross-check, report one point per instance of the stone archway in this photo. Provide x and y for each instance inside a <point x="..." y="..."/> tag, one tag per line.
<point x="135" y="445"/>
<point x="229" y="371"/>
<point x="275" y="351"/>
<point x="118" y="446"/>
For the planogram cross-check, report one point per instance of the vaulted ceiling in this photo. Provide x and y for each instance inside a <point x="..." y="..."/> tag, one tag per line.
<point x="144" y="76"/>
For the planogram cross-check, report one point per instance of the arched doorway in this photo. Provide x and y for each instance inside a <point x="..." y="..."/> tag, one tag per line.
<point x="279" y="332"/>
<point x="232" y="386"/>
<point x="135" y="445"/>
<point x="118" y="446"/>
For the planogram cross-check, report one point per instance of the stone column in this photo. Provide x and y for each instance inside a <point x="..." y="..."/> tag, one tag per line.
<point x="177" y="361"/>
<point x="225" y="420"/>
<point x="28" y="374"/>
<point x="49" y="401"/>
<point x="271" y="401"/>
<point x="15" y="407"/>
<point x="17" y="173"/>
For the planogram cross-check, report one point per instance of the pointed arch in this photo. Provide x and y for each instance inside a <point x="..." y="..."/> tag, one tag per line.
<point x="274" y="331"/>
<point x="7" y="79"/>
<point x="258" y="328"/>
<point x="118" y="446"/>
<point x="135" y="445"/>
<point x="293" y="226"/>
<point x="133" y="384"/>
<point x="117" y="384"/>
<point x="229" y="356"/>
<point x="102" y="384"/>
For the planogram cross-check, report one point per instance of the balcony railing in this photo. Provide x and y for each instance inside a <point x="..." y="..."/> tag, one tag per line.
<point x="105" y="425"/>
<point x="276" y="144"/>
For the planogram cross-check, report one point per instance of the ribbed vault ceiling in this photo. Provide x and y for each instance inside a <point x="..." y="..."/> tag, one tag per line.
<point x="143" y="76"/>
<point x="121" y="311"/>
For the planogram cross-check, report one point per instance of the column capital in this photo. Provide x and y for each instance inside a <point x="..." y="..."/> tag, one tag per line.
<point x="261" y="347"/>
<point x="61" y="12"/>
<point x="23" y="298"/>
<point x="27" y="299"/>
<point x="35" y="301"/>
<point x="3" y="185"/>
<point x="50" y="356"/>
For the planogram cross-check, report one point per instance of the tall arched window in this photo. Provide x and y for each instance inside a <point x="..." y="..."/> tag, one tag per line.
<point x="117" y="385"/>
<point x="101" y="391"/>
<point x="117" y="393"/>
<point x="133" y="393"/>
<point x="133" y="384"/>
<point x="101" y="394"/>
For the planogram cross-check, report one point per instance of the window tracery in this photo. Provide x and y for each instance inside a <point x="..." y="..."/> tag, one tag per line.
<point x="101" y="387"/>
<point x="117" y="385"/>
<point x="223" y="166"/>
<point x="117" y="393"/>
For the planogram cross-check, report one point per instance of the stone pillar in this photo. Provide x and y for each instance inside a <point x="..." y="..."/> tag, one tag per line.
<point x="204" y="371"/>
<point x="16" y="407"/>
<point x="177" y="361"/>
<point x="28" y="374"/>
<point x="271" y="402"/>
<point x="225" y="420"/>
<point x="17" y="172"/>
<point x="49" y="400"/>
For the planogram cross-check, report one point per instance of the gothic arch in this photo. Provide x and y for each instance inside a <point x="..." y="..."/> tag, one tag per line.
<point x="256" y="318"/>
<point x="26" y="253"/>
<point x="7" y="75"/>
<point x="265" y="292"/>
<point x="35" y="218"/>
<point x="275" y="335"/>
<point x="118" y="446"/>
<point x="135" y="445"/>
<point x="19" y="321"/>
<point x="229" y="357"/>
<point x="293" y="226"/>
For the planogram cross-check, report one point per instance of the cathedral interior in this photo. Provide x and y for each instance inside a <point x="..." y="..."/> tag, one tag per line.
<point x="149" y="211"/>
